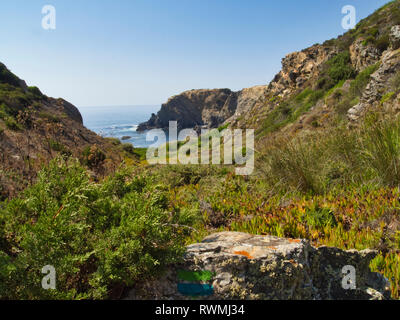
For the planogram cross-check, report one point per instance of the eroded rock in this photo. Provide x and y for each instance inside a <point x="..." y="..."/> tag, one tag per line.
<point x="395" y="37"/>
<point x="375" y="89"/>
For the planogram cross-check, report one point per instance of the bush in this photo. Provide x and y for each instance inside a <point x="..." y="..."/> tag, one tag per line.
<point x="97" y="236"/>
<point x="340" y="67"/>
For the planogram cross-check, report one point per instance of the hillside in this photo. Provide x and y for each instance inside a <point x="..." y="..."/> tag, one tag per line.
<point x="35" y="128"/>
<point x="341" y="78"/>
<point x="324" y="193"/>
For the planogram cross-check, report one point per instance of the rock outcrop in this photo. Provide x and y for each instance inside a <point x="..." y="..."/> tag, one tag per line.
<point x="363" y="55"/>
<point x="232" y="265"/>
<point x="371" y="96"/>
<point x="192" y="108"/>
<point x="395" y="37"/>
<point x="212" y="108"/>
<point x="298" y="68"/>
<point x="209" y="108"/>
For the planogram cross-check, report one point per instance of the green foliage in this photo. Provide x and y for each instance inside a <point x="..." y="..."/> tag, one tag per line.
<point x="320" y="218"/>
<point x="387" y="97"/>
<point x="222" y="128"/>
<point x="114" y="141"/>
<point x="8" y="77"/>
<point x="340" y="67"/>
<point x="380" y="147"/>
<point x="49" y="117"/>
<point x="362" y="79"/>
<point x="141" y="153"/>
<point x="318" y="163"/>
<point x="382" y="43"/>
<point x="289" y="111"/>
<point x="97" y="236"/>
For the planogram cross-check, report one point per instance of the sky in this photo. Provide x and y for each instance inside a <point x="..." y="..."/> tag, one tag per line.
<point x="141" y="52"/>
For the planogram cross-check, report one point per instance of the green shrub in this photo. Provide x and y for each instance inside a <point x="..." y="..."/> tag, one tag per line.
<point x="289" y="111"/>
<point x="340" y="67"/>
<point x="97" y="236"/>
<point x="114" y="141"/>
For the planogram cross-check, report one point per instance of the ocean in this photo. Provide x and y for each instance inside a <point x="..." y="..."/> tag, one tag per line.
<point x="119" y="121"/>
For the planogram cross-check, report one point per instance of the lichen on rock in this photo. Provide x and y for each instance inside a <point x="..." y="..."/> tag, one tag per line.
<point x="268" y="268"/>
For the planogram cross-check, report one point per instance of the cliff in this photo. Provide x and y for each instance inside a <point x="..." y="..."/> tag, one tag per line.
<point x="344" y="76"/>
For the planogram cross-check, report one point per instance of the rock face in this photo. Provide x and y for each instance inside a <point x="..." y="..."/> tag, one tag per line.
<point x="363" y="55"/>
<point x="210" y="108"/>
<point x="395" y="37"/>
<point x="298" y="68"/>
<point x="375" y="89"/>
<point x="245" y="266"/>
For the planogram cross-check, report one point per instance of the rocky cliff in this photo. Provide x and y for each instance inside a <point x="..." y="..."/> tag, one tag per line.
<point x="210" y="108"/>
<point x="350" y="74"/>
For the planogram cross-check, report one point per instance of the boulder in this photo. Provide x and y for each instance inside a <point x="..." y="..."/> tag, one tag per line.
<point x="233" y="265"/>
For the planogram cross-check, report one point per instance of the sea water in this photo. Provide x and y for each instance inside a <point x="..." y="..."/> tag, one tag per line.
<point x="119" y="122"/>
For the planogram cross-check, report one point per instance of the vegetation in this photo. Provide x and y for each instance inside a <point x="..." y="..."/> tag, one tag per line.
<point x="99" y="237"/>
<point x="335" y="186"/>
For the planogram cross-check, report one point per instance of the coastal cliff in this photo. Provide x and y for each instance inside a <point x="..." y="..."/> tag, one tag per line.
<point x="353" y="71"/>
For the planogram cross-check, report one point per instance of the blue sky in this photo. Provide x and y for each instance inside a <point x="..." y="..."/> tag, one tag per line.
<point x="140" y="52"/>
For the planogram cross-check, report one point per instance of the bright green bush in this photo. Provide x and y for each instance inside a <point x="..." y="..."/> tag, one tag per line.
<point x="97" y="236"/>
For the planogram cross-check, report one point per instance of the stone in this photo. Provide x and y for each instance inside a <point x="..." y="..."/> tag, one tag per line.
<point x="204" y="108"/>
<point x="249" y="266"/>
<point x="363" y="55"/>
<point x="395" y="37"/>
<point x="389" y="66"/>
